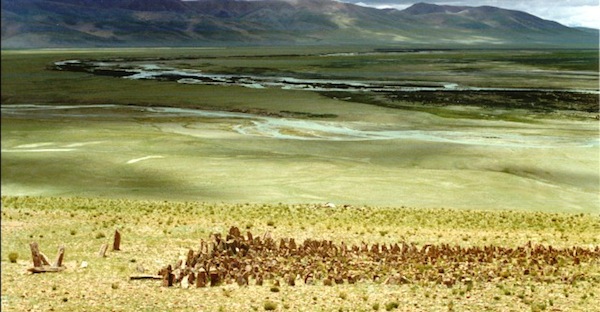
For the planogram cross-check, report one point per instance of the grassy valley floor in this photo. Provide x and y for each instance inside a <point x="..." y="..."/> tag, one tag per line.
<point x="158" y="233"/>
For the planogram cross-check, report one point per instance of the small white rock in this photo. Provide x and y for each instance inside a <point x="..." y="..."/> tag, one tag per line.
<point x="185" y="284"/>
<point x="84" y="264"/>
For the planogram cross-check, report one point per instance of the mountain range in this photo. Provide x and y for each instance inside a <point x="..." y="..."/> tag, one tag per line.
<point x="114" y="23"/>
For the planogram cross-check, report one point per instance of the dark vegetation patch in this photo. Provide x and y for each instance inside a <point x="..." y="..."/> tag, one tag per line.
<point x="286" y="113"/>
<point x="283" y="113"/>
<point x="537" y="101"/>
<point x="587" y="60"/>
<point x="543" y="101"/>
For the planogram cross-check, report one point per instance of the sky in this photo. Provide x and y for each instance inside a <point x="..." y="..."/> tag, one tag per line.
<point x="584" y="13"/>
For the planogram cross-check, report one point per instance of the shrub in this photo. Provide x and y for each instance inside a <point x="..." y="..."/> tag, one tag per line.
<point x="12" y="257"/>
<point x="391" y="305"/>
<point x="270" y="306"/>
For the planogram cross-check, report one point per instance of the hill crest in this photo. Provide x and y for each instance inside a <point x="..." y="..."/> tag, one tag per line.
<point x="89" y="23"/>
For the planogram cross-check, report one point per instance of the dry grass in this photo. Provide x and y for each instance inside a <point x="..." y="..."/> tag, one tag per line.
<point x="158" y="233"/>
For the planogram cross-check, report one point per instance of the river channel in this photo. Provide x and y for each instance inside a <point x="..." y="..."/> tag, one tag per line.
<point x="247" y="124"/>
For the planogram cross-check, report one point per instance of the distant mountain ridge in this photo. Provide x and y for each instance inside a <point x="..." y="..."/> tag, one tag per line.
<point x="106" y="23"/>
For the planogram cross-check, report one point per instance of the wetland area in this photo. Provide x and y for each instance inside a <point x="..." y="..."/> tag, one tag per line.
<point x="426" y="128"/>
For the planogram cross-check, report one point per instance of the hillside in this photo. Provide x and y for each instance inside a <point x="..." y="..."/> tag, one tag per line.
<point x="87" y="23"/>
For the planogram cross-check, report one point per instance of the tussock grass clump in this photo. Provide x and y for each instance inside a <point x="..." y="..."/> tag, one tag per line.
<point x="270" y="306"/>
<point x="391" y="306"/>
<point x="13" y="256"/>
